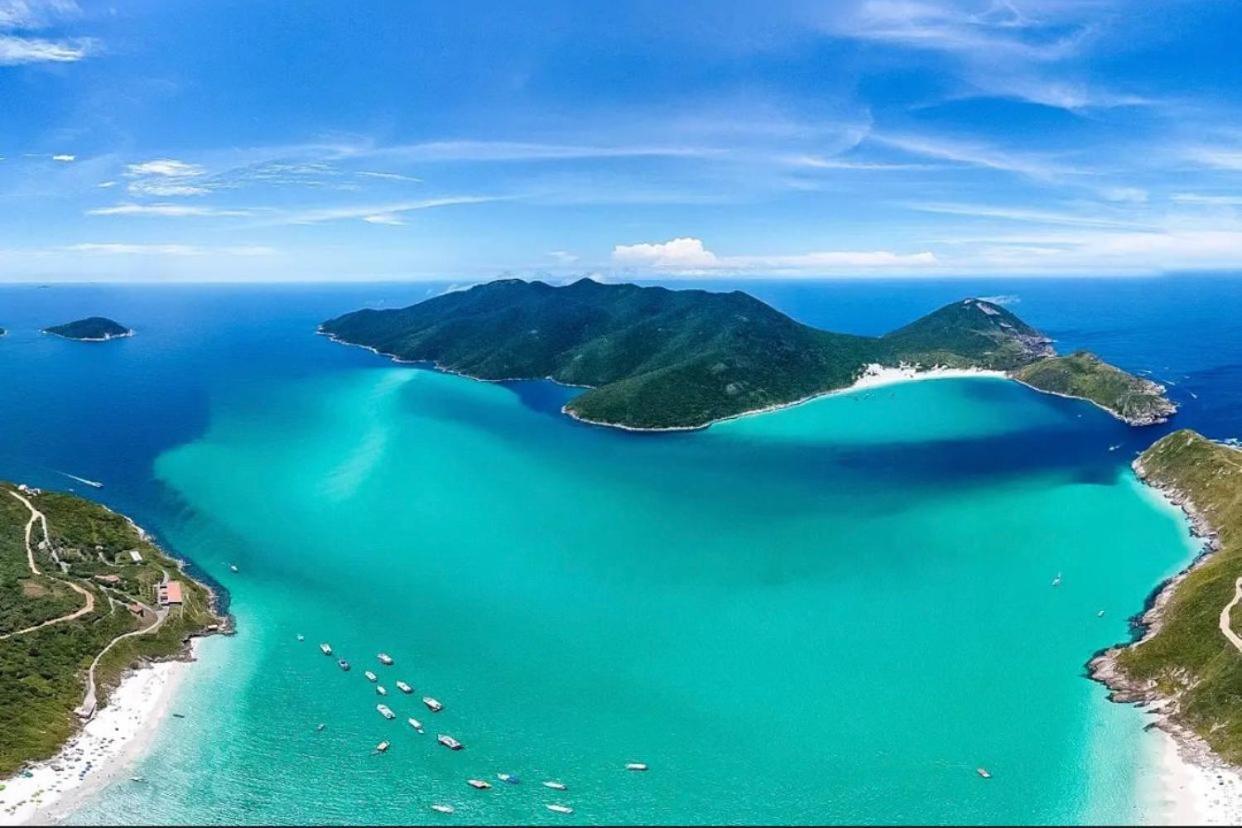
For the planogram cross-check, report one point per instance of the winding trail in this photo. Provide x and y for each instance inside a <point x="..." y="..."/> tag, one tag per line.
<point x="36" y="515"/>
<point x="1226" y="627"/>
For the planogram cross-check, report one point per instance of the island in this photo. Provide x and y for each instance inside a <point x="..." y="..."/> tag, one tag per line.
<point x="91" y="329"/>
<point x="656" y="359"/>
<point x="85" y="596"/>
<point x="1187" y="664"/>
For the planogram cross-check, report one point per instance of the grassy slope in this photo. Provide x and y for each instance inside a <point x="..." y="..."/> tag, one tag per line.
<point x="1189" y="658"/>
<point x="1085" y="375"/>
<point x="658" y="358"/>
<point x="42" y="674"/>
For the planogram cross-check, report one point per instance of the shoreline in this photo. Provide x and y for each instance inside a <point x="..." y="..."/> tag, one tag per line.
<point x="118" y="735"/>
<point x="1189" y="783"/>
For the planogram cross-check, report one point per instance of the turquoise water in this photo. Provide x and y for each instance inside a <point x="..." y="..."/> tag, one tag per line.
<point x="830" y="613"/>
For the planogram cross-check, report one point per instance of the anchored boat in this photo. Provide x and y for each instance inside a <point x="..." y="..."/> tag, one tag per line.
<point x="404" y="688"/>
<point x="559" y="809"/>
<point x="449" y="742"/>
<point x="432" y="705"/>
<point x="636" y="766"/>
<point x="325" y="648"/>
<point x="370" y="676"/>
<point x="554" y="785"/>
<point x="478" y="784"/>
<point x="381" y="747"/>
<point x="444" y="809"/>
<point x="385" y="659"/>
<point x="379" y="688"/>
<point x="343" y="664"/>
<point x="416" y="724"/>
<point x="385" y="711"/>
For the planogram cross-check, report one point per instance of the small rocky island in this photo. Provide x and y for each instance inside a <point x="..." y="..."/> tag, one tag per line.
<point x="91" y="329"/>
<point x="1188" y="664"/>
<point x="659" y="359"/>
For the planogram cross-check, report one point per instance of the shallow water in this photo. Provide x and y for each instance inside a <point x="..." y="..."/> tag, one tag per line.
<point x="834" y="612"/>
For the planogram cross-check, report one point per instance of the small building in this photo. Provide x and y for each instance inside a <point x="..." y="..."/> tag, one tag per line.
<point x="135" y="555"/>
<point x="170" y="593"/>
<point x="135" y="608"/>
<point x="108" y="579"/>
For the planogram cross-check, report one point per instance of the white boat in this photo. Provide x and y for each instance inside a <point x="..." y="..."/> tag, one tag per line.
<point x="325" y="648"/>
<point x="233" y="568"/>
<point x="370" y="676"/>
<point x="449" y="742"/>
<point x="559" y="809"/>
<point x="432" y="705"/>
<point x="385" y="659"/>
<point x="301" y="637"/>
<point x="381" y="747"/>
<point x="1100" y="614"/>
<point x="478" y="784"/>
<point x="444" y="809"/>
<point x="983" y="772"/>
<point x="404" y="688"/>
<point x="385" y="711"/>
<point x="1057" y="580"/>
<point x="636" y="766"/>
<point x="508" y="777"/>
<point x="554" y="785"/>
<point x="379" y="688"/>
<point x="416" y="724"/>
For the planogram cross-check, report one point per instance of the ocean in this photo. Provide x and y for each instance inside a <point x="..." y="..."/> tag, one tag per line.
<point x="835" y="612"/>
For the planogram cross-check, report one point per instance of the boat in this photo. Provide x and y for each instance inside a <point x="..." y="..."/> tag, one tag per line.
<point x="444" y="809"/>
<point x="636" y="766"/>
<point x="1057" y="580"/>
<point x="404" y="688"/>
<point x="385" y="711"/>
<point x="301" y="637"/>
<point x="385" y="659"/>
<point x="381" y="747"/>
<point x="233" y="568"/>
<point x="1100" y="614"/>
<point x="320" y="727"/>
<point x="983" y="772"/>
<point x="416" y="724"/>
<point x="379" y="688"/>
<point x="137" y="779"/>
<point x="559" y="809"/>
<point x="449" y="742"/>
<point x="325" y="648"/>
<point x="478" y="784"/>
<point x="343" y="664"/>
<point x="432" y="705"/>
<point x="178" y="715"/>
<point x="508" y="778"/>
<point x="370" y="676"/>
<point x="1114" y="447"/>
<point x="554" y="785"/>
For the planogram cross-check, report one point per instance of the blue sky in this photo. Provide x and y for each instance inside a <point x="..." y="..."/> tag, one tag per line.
<point x="195" y="140"/>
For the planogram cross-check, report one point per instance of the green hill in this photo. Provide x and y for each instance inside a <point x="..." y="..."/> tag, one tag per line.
<point x="86" y="551"/>
<point x="1185" y="658"/>
<point x="654" y="358"/>
<point x="1136" y="400"/>
<point x="91" y="329"/>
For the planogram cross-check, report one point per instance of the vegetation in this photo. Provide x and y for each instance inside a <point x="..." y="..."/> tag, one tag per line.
<point x="43" y="671"/>
<point x="659" y="358"/>
<point x="1188" y="659"/>
<point x="1136" y="400"/>
<point x="91" y="329"/>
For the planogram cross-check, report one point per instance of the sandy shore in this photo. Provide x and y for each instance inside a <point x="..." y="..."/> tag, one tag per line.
<point x="99" y="754"/>
<point x="1191" y="787"/>
<point x="874" y="376"/>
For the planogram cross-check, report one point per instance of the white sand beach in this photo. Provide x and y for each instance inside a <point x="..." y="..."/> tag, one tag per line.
<point x="101" y="752"/>
<point x="1191" y="787"/>
<point x="875" y="375"/>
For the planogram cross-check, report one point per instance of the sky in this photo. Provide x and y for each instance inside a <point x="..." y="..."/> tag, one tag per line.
<point x="257" y="140"/>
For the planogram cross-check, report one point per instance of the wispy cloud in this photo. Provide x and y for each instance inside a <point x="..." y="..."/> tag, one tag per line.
<point x="978" y="154"/>
<point x="689" y="255"/>
<point x="377" y="213"/>
<point x="167" y="210"/>
<point x="1023" y="215"/>
<point x="20" y="17"/>
<point x="128" y="249"/>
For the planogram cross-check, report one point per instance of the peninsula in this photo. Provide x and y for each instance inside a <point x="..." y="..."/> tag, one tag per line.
<point x="1188" y="663"/>
<point x="659" y="359"/>
<point x="84" y="596"/>
<point x="91" y="329"/>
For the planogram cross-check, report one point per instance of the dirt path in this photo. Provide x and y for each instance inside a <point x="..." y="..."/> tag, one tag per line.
<point x="1226" y="627"/>
<point x="36" y="515"/>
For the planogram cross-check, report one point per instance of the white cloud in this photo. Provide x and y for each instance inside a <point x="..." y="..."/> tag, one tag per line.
<point x="166" y="210"/>
<point x="1208" y="200"/>
<point x="688" y="255"/>
<point x="387" y="176"/>
<point x="562" y="257"/>
<point x="15" y="50"/>
<point x="166" y="178"/>
<point x="1221" y="158"/>
<point x="1130" y="195"/>
<point x="449" y="151"/>
<point x="65" y="158"/>
<point x="1022" y="214"/>
<point x="167" y="167"/>
<point x="103" y="185"/>
<point x="391" y="219"/>
<point x="977" y="155"/>
<point x="678" y="254"/>
<point x="377" y="213"/>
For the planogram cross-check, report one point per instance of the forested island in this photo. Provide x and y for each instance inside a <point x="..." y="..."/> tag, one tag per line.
<point x="76" y="579"/>
<point x="91" y="329"/>
<point x="656" y="359"/>
<point x="1189" y="660"/>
